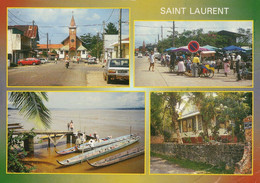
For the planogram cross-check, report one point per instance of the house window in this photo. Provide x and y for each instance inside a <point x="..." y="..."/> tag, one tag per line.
<point x="61" y="52"/>
<point x="83" y="52"/>
<point x="194" y="124"/>
<point x="189" y="124"/>
<point x="184" y="125"/>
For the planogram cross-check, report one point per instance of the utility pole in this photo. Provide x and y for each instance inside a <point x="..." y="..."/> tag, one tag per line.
<point x="161" y="32"/>
<point x="103" y="36"/>
<point x="120" y="33"/>
<point x="173" y="33"/>
<point x="47" y="44"/>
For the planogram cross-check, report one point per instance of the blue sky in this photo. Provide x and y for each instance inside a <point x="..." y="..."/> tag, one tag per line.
<point x="55" y="22"/>
<point x="148" y="30"/>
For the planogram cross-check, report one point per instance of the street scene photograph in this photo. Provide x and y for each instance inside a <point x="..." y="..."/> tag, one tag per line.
<point x="90" y="132"/>
<point x="201" y="133"/>
<point x="68" y="47"/>
<point x="193" y="54"/>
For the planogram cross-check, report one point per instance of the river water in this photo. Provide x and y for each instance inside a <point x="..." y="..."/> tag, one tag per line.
<point x="105" y="123"/>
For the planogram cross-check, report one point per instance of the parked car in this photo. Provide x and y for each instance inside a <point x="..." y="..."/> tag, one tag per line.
<point x="92" y="60"/>
<point x="29" y="61"/>
<point x="140" y="55"/>
<point x="116" y="69"/>
<point x="43" y="60"/>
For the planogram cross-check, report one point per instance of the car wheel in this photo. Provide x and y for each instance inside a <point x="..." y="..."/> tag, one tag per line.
<point x="34" y="63"/>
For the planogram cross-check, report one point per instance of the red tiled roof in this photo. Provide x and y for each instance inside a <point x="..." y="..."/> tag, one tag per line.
<point x="28" y="30"/>
<point x="53" y="46"/>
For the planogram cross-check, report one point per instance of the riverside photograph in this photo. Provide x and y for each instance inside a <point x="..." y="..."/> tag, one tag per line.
<point x="76" y="132"/>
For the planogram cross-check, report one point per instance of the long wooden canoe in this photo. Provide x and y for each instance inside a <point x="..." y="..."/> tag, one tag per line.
<point x="75" y="148"/>
<point x="99" y="151"/>
<point x="90" y="146"/>
<point x="131" y="153"/>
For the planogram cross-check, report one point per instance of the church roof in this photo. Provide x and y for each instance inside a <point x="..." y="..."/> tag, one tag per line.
<point x="72" y="22"/>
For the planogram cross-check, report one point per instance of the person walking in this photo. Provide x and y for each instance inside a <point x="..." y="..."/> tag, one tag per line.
<point x="238" y="60"/>
<point x="181" y="66"/>
<point x="219" y="64"/>
<point x="151" y="60"/>
<point x="226" y="65"/>
<point x="194" y="65"/>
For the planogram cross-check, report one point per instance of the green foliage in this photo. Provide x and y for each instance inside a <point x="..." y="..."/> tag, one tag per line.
<point x="156" y="110"/>
<point x="166" y="135"/>
<point x="111" y="29"/>
<point x="30" y="104"/>
<point x="13" y="65"/>
<point x="16" y="152"/>
<point x="210" y="38"/>
<point x="93" y="43"/>
<point x="196" y="166"/>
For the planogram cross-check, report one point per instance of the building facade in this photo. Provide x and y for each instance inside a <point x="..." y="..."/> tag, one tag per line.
<point x="72" y="45"/>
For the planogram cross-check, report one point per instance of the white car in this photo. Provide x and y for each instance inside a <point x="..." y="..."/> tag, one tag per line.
<point x="140" y="55"/>
<point x="116" y="69"/>
<point x="43" y="60"/>
<point x="92" y="60"/>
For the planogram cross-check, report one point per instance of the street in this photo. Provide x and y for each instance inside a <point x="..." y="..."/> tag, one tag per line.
<point x="51" y="74"/>
<point x="161" y="77"/>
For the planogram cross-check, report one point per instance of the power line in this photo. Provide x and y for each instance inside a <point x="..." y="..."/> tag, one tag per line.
<point x="110" y="15"/>
<point x="13" y="20"/>
<point x="18" y="18"/>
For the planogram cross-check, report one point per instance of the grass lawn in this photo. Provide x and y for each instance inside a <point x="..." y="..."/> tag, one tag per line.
<point x="206" y="168"/>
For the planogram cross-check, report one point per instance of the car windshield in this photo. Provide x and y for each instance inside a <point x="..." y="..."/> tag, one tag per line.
<point x="119" y="63"/>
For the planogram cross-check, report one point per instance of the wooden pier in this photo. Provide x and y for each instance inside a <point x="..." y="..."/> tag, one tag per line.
<point x="51" y="135"/>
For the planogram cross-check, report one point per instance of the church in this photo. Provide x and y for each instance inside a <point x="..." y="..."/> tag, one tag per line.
<point x="72" y="45"/>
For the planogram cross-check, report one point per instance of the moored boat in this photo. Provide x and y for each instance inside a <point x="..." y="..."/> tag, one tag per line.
<point x="99" y="151"/>
<point x="131" y="153"/>
<point x="75" y="148"/>
<point x="93" y="145"/>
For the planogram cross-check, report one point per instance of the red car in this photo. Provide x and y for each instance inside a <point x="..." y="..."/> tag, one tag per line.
<point x="29" y="61"/>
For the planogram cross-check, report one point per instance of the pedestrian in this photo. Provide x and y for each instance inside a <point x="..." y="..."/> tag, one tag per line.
<point x="181" y="66"/>
<point x="238" y="60"/>
<point x="71" y="125"/>
<point x="226" y="65"/>
<point x="194" y="65"/>
<point x="188" y="68"/>
<point x="151" y="60"/>
<point x="219" y="64"/>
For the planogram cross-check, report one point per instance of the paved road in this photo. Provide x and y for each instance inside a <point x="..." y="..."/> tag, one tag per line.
<point x="162" y="77"/>
<point x="52" y="74"/>
<point x="161" y="166"/>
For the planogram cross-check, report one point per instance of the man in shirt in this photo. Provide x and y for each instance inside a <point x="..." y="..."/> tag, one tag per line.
<point x="151" y="60"/>
<point x="194" y="66"/>
<point x="238" y="60"/>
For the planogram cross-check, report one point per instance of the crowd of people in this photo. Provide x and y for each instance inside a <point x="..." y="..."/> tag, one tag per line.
<point x="182" y="63"/>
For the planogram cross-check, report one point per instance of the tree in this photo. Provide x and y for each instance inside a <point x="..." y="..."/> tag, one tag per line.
<point x="30" y="104"/>
<point x="111" y="29"/>
<point x="93" y="43"/>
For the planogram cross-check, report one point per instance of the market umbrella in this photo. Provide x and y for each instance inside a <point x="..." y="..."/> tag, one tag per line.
<point x="170" y="49"/>
<point x="211" y="48"/>
<point x="233" y="48"/>
<point x="185" y="49"/>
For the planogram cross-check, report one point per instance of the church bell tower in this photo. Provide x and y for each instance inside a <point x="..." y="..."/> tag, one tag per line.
<point x="72" y="37"/>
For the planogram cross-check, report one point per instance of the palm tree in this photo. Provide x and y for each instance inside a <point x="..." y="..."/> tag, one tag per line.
<point x="30" y="104"/>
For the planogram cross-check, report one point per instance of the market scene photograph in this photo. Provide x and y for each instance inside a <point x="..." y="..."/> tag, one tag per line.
<point x="193" y="54"/>
<point x="89" y="132"/>
<point x="68" y="47"/>
<point x="201" y="133"/>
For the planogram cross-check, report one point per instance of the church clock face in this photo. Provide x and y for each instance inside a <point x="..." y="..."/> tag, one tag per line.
<point x="72" y="40"/>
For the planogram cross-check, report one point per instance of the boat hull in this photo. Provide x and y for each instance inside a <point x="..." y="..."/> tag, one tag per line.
<point x="98" y="152"/>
